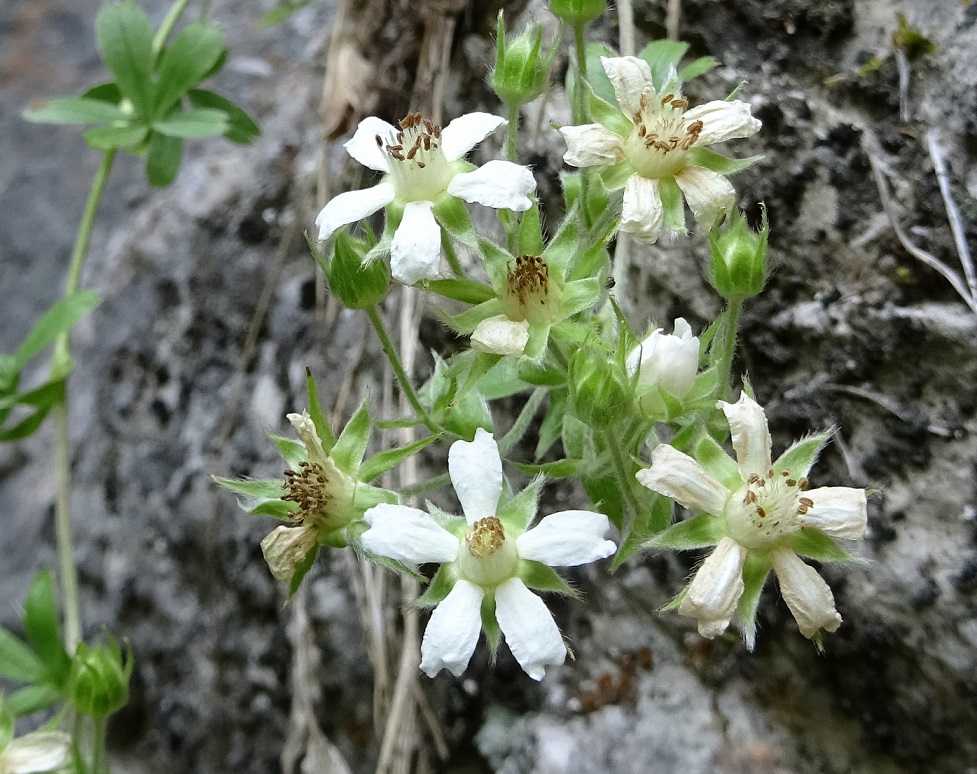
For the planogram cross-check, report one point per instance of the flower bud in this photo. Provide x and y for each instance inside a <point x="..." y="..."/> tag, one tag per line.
<point x="520" y="74"/>
<point x="357" y="284"/>
<point x="665" y="363"/>
<point x="739" y="259"/>
<point x="577" y="12"/>
<point x="598" y="395"/>
<point x="98" y="683"/>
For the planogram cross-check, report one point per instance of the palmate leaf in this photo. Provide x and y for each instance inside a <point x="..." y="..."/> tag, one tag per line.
<point x="186" y="62"/>
<point x="125" y="38"/>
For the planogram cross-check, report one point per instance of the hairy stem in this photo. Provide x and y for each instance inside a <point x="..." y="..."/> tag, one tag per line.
<point x="727" y="344"/>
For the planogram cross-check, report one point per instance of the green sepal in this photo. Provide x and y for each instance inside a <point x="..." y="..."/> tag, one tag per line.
<point x="673" y="207"/>
<point x="566" y="468"/>
<point x="258" y="489"/>
<point x="503" y="379"/>
<point x="125" y="39"/>
<point x="452" y="215"/>
<point x="575" y="436"/>
<point x="572" y="333"/>
<point x="284" y="510"/>
<point x="464" y="290"/>
<point x="541" y="577"/>
<point x="351" y="444"/>
<point x="539" y="336"/>
<point x="579" y="295"/>
<point x="497" y="262"/>
<point x="17" y="660"/>
<point x="75" y="110"/>
<point x="291" y="450"/>
<point x="336" y="538"/>
<point x="322" y="427"/>
<point x="552" y="425"/>
<point x="596" y="76"/>
<point x="592" y="263"/>
<point x="816" y="545"/>
<point x="466" y="322"/>
<point x="6" y="724"/>
<point x="61" y="317"/>
<point x="755" y="572"/>
<point x="717" y="462"/>
<point x="517" y="513"/>
<point x="163" y="159"/>
<point x="800" y="457"/>
<point x="439" y="587"/>
<point x="189" y="124"/>
<point x="676" y="602"/>
<point x="615" y="176"/>
<point x="41" y="625"/>
<point x="703" y="392"/>
<point x="698" y="67"/>
<point x="241" y="129"/>
<point x="301" y="570"/>
<point x="536" y="375"/>
<point x="662" y="57"/>
<point x="608" y="114"/>
<point x="698" y="532"/>
<point x="186" y="62"/>
<point x="367" y="497"/>
<point x="490" y="625"/>
<point x="380" y="463"/>
<point x="703" y="157"/>
<point x="33" y="698"/>
<point x="531" y="232"/>
<point x="109" y="137"/>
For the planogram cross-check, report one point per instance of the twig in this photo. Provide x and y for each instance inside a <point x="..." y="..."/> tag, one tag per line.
<point x="673" y="14"/>
<point x="625" y="27"/>
<point x="902" y="65"/>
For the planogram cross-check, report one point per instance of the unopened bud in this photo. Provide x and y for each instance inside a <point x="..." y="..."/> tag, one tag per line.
<point x="577" y="12"/>
<point x="357" y="284"/>
<point x="98" y="684"/>
<point x="739" y="258"/>
<point x="520" y="73"/>
<point x="598" y="395"/>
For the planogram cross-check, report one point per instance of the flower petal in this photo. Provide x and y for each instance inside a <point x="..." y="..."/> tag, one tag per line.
<point x="591" y="145"/>
<point x="305" y="428"/>
<point x="668" y="361"/>
<point x="722" y="121"/>
<point x="631" y="78"/>
<point x="498" y="184"/>
<point x="467" y="131"/>
<point x="500" y="336"/>
<point x="716" y="588"/>
<point x="566" y="539"/>
<point x="529" y="628"/>
<point x="408" y="535"/>
<point x="452" y="632"/>
<point x="751" y="438"/>
<point x="284" y="548"/>
<point x="680" y="477"/>
<point x="805" y="592"/>
<point x="352" y="206"/>
<point x="838" y="511"/>
<point x="476" y="474"/>
<point x="709" y="194"/>
<point x="36" y="752"/>
<point x="415" y="253"/>
<point x="642" y="213"/>
<point x="363" y="145"/>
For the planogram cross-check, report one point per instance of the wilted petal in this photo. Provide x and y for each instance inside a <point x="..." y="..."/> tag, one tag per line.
<point x="305" y="428"/>
<point x="838" y="511"/>
<point x="284" y="548"/>
<point x="680" y="477"/>
<point x="498" y="184"/>
<point x="805" y="592"/>
<point x="708" y="194"/>
<point x="529" y="628"/>
<point x="415" y="253"/>
<point x="716" y="588"/>
<point x="363" y="145"/>
<point x="352" y="206"/>
<point x="467" y="131"/>
<point x="500" y="336"/>
<point x="750" y="436"/>
<point x="630" y="77"/>
<point x="723" y="120"/>
<point x="591" y="145"/>
<point x="476" y="474"/>
<point x="408" y="535"/>
<point x="40" y="751"/>
<point x="642" y="213"/>
<point x="566" y="539"/>
<point x="452" y="632"/>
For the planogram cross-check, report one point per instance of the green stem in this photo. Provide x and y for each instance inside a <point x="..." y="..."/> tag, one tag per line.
<point x="87" y="219"/>
<point x="613" y="444"/>
<point x="172" y="16"/>
<point x="405" y="385"/>
<point x="512" y="137"/>
<point x="580" y="93"/>
<point x="452" y="256"/>
<point x="98" y="746"/>
<point x="724" y="361"/>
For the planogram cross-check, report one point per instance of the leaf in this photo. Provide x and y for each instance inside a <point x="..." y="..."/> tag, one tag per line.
<point x="596" y="75"/>
<point x="279" y="13"/>
<point x="260" y="490"/>
<point x="816" y="545"/>
<point x="698" y="67"/>
<point x="17" y="660"/>
<point x="199" y="122"/>
<point x="33" y="698"/>
<point x="62" y="315"/>
<point x="163" y="159"/>
<point x="187" y="62"/>
<point x="464" y="290"/>
<point x="662" y="56"/>
<point x="241" y="129"/>
<point x="125" y="38"/>
<point x="552" y="425"/>
<point x="75" y="110"/>
<point x="322" y="426"/>
<point x="41" y="624"/>
<point x="351" y="444"/>
<point x="557" y="469"/>
<point x="800" y="457"/>
<point x="724" y="165"/>
<point x="6" y="724"/>
<point x="541" y="577"/>
<point x="521" y="426"/>
<point x="698" y="532"/>
<point x="108" y="137"/>
<point x="43" y="399"/>
<point x="755" y="572"/>
<point x="105" y="92"/>
<point x="379" y="464"/>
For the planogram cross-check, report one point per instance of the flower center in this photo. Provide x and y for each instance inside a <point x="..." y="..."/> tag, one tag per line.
<point x="530" y="295"/>
<point x="486" y="557"/>
<point x="767" y="509"/>
<point x="309" y="488"/>
<point x="661" y="137"/>
<point x="418" y="166"/>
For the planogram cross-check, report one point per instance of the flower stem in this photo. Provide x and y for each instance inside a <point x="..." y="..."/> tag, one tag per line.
<point x="452" y="256"/>
<point x="727" y="347"/>
<point x="512" y="137"/>
<point x="580" y="111"/>
<point x="87" y="219"/>
<point x="172" y="16"/>
<point x="613" y="441"/>
<point x="98" y="745"/>
<point x="405" y="385"/>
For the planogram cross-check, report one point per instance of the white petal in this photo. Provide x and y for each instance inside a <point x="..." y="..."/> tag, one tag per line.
<point x="500" y="336"/>
<point x="668" y="361"/>
<point x="415" y="253"/>
<point x="566" y="539"/>
<point x="408" y="535"/>
<point x="591" y="145"/>
<point x="722" y="121"/>
<point x="39" y="751"/>
<point x="681" y="328"/>
<point x="476" y="474"/>
<point x="467" y="131"/>
<point x="838" y="511"/>
<point x="630" y="77"/>
<point x="529" y="628"/>
<point x="352" y="206"/>
<point x="708" y="194"/>
<point x="643" y="352"/>
<point x="750" y="436"/>
<point x="680" y="477"/>
<point x="363" y="145"/>
<point x="642" y="213"/>
<point x="716" y="589"/>
<point x="498" y="184"/>
<point x="452" y="632"/>
<point x="805" y="592"/>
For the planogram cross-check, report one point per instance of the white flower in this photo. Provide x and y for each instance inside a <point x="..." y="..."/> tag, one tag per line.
<point x="660" y="147"/>
<point x="665" y="361"/>
<point x="41" y="751"/>
<point x="424" y="164"/>
<point x="762" y="514"/>
<point x="485" y="559"/>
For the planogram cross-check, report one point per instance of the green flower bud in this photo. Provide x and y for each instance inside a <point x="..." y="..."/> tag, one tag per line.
<point x="357" y="284"/>
<point x="98" y="683"/>
<point x="739" y="258"/>
<point x="598" y="394"/>
<point x="577" y="11"/>
<point x="520" y="75"/>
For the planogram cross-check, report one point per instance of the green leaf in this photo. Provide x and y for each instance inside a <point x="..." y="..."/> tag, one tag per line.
<point x="541" y="577"/>
<point x="241" y="129"/>
<point x="502" y="380"/>
<point x="801" y="455"/>
<point x="755" y="572"/>
<point x="108" y="137"/>
<point x="265" y="489"/>
<point x="698" y="67"/>
<point x="464" y="290"/>
<point x="698" y="532"/>
<point x="441" y="585"/>
<point x="62" y="315"/>
<point x="283" y="510"/>
<point x="703" y="157"/>
<point x="556" y="469"/>
<point x="674" y="209"/>
<point x="816" y="545"/>
<point x="105" y="92"/>
<point x="293" y="451"/>
<point x="187" y="62"/>
<point x="199" y="122"/>
<point x="41" y="624"/>
<point x="662" y="56"/>
<point x="351" y="445"/>
<point x="552" y="426"/>
<point x="579" y="295"/>
<point x="17" y="660"/>
<point x="33" y="698"/>
<point x="75" y="110"/>
<point x="125" y="38"/>
<point x="520" y="427"/>
<point x="322" y="426"/>
<point x="281" y="12"/>
<point x="379" y="464"/>
<point x="163" y="159"/>
<point x="518" y="512"/>
<point x="717" y="462"/>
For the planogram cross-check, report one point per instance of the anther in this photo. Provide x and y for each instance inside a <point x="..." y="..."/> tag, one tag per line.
<point x="802" y="484"/>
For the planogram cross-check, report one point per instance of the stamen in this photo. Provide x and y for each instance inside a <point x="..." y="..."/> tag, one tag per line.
<point x="307" y="488"/>
<point x="802" y="484"/>
<point x="485" y="537"/>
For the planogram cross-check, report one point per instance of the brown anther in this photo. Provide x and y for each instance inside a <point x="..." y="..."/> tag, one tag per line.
<point x="753" y="478"/>
<point x="642" y="131"/>
<point x="750" y="497"/>
<point x="801" y="510"/>
<point x="306" y="488"/>
<point x="791" y="481"/>
<point x="784" y="473"/>
<point x="412" y="152"/>
<point x="643" y="101"/>
<point x="531" y="275"/>
<point x="667" y="98"/>
<point x="485" y="537"/>
<point x="695" y="127"/>
<point x="421" y="164"/>
<point x="760" y="512"/>
<point x="802" y="484"/>
<point x="770" y="473"/>
<point x="680" y="103"/>
<point x="379" y="140"/>
<point x="807" y="502"/>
